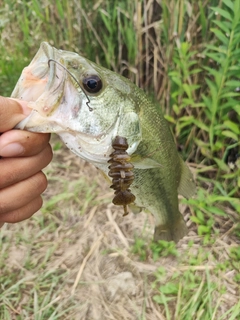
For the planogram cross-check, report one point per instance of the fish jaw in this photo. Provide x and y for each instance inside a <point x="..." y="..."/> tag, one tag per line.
<point x="39" y="79"/>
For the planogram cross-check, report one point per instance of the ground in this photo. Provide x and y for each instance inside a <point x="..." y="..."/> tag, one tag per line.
<point x="79" y="258"/>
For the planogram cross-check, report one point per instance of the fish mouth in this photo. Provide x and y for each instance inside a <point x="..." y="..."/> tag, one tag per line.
<point x="39" y="76"/>
<point x="49" y="55"/>
<point x="42" y="85"/>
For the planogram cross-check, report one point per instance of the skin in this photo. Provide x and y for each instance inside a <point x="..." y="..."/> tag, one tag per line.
<point x="23" y="156"/>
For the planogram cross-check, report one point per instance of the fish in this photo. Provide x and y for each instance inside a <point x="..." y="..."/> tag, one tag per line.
<point x="88" y="106"/>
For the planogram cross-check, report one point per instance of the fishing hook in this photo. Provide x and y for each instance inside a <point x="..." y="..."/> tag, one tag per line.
<point x="88" y="100"/>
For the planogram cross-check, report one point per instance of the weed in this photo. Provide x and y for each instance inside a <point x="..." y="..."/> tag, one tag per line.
<point x="163" y="248"/>
<point x="139" y="247"/>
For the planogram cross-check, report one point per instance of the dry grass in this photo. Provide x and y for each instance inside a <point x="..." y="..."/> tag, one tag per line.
<point x="74" y="258"/>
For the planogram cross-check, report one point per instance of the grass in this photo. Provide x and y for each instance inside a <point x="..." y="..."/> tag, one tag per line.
<point x="78" y="258"/>
<point x="70" y="261"/>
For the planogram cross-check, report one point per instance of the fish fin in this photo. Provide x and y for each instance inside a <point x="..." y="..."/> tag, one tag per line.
<point x="173" y="232"/>
<point x="134" y="208"/>
<point x="105" y="176"/>
<point x="144" y="163"/>
<point x="186" y="185"/>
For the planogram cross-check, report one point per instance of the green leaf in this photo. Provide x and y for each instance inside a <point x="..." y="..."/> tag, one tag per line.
<point x="60" y="9"/>
<point x="223" y="26"/>
<point x="203" y="19"/>
<point x="195" y="219"/>
<point x="222" y="13"/>
<point x="170" y="119"/>
<point x="232" y="126"/>
<point x="194" y="71"/>
<point x="236" y="7"/>
<point x="220" y="36"/>
<point x="229" y="4"/>
<point x="221" y="164"/>
<point x="214" y="95"/>
<point x="236" y="10"/>
<point x="169" y="288"/>
<point x="189" y="119"/>
<point x="200" y="216"/>
<point x="230" y="134"/>
<point x="211" y="47"/>
<point x="106" y="21"/>
<point x="230" y="94"/>
<point x="233" y="83"/>
<point x="215" y="56"/>
<point x="187" y="102"/>
<point x="213" y="72"/>
<point x="201" y="143"/>
<point x="188" y="90"/>
<point x="216" y="210"/>
<point x="207" y="101"/>
<point x="237" y="109"/>
<point x="176" y="80"/>
<point x="203" y="230"/>
<point x="201" y="125"/>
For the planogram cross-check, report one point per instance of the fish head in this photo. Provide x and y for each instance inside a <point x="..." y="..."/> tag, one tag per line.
<point x="85" y="104"/>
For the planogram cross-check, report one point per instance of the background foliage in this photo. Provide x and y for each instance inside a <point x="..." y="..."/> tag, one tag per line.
<point x="185" y="53"/>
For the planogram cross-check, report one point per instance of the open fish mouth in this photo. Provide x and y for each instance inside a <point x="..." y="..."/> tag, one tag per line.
<point x="40" y="75"/>
<point x="42" y="85"/>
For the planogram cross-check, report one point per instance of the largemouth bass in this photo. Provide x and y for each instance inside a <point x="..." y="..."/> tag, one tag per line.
<point x="88" y="106"/>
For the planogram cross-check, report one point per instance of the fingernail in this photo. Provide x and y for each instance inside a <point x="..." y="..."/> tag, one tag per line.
<point x="12" y="150"/>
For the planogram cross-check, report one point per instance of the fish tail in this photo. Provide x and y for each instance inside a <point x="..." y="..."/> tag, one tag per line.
<point x="171" y="232"/>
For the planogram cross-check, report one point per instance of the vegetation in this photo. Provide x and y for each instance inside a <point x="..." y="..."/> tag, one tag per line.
<point x="186" y="54"/>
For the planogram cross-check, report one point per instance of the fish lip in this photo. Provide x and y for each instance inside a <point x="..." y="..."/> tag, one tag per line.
<point x="56" y="79"/>
<point x="45" y="54"/>
<point x="47" y="60"/>
<point x="50" y="54"/>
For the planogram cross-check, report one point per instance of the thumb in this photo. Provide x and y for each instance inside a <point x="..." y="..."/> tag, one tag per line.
<point x="12" y="111"/>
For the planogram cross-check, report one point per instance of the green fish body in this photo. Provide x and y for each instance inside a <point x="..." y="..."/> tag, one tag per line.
<point x="88" y="106"/>
<point x="157" y="188"/>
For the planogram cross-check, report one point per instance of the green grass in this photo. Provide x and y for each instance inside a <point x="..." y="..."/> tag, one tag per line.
<point x="186" y="53"/>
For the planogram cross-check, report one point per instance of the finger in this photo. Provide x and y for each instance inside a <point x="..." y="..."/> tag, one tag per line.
<point x="12" y="112"/>
<point x="22" y="213"/>
<point x="15" y="143"/>
<point x="14" y="170"/>
<point x="22" y="193"/>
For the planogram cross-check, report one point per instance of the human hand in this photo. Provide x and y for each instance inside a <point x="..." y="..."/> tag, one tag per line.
<point x="22" y="157"/>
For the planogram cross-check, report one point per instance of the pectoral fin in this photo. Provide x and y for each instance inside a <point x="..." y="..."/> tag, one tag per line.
<point x="135" y="209"/>
<point x="144" y="163"/>
<point x="106" y="177"/>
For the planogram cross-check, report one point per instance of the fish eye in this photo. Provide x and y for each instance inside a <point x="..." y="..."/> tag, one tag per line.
<point x="92" y="84"/>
